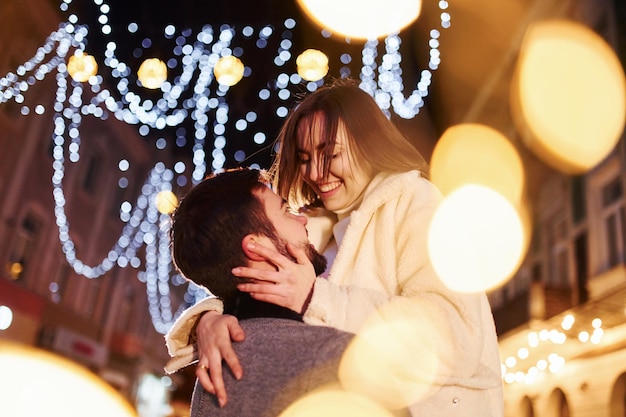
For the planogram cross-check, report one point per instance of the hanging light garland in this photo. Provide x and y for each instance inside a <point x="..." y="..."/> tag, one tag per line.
<point x="514" y="367"/>
<point x="194" y="94"/>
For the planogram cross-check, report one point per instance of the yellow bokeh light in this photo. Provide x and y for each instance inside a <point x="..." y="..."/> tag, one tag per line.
<point x="477" y="154"/>
<point x="568" y="95"/>
<point x="166" y="202"/>
<point x="476" y="239"/>
<point x="82" y="67"/>
<point x="152" y="73"/>
<point x="312" y="65"/>
<point x="395" y="356"/>
<point x="34" y="382"/>
<point x="362" y="19"/>
<point x="228" y="70"/>
<point x="334" y="402"/>
<point x="16" y="269"/>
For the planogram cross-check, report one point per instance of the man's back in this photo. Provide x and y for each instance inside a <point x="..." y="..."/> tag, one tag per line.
<point x="282" y="360"/>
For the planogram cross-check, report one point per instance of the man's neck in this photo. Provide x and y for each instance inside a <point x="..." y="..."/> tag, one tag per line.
<point x="244" y="307"/>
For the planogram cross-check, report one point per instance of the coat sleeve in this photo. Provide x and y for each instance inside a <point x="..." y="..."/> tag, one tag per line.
<point x="179" y="338"/>
<point x="455" y="321"/>
<point x="461" y="324"/>
<point x="382" y="251"/>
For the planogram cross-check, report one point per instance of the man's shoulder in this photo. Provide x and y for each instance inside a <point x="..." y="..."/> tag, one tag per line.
<point x="277" y="328"/>
<point x="282" y="360"/>
<point x="290" y="344"/>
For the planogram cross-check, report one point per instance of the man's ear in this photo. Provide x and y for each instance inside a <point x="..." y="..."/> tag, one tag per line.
<point x="244" y="245"/>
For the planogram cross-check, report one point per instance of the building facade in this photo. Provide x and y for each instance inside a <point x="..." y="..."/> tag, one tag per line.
<point x="102" y="323"/>
<point x="561" y="318"/>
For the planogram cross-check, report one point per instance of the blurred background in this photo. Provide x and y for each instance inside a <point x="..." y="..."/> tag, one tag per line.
<point x="524" y="97"/>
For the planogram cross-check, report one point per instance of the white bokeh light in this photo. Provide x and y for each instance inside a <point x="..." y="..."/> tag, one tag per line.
<point x="475" y="240"/>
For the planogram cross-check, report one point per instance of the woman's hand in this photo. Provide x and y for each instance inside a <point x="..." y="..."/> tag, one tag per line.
<point x="214" y="333"/>
<point x="289" y="284"/>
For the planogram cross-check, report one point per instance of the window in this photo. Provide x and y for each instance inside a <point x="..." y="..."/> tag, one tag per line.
<point x="558" y="244"/>
<point x="536" y="275"/>
<point x="92" y="173"/>
<point x="558" y="406"/>
<point x="618" y="397"/>
<point x="612" y="192"/>
<point x="579" y="209"/>
<point x="125" y="310"/>
<point x="611" y="236"/>
<point x="90" y="297"/>
<point x="527" y="408"/>
<point x="23" y="248"/>
<point x="614" y="221"/>
<point x="118" y="199"/>
<point x="582" y="266"/>
<point x="104" y="295"/>
<point x="535" y="242"/>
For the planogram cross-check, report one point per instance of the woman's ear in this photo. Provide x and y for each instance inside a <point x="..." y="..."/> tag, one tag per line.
<point x="247" y="239"/>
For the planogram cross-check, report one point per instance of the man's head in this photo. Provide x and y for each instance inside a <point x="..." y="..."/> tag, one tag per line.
<point x="216" y="219"/>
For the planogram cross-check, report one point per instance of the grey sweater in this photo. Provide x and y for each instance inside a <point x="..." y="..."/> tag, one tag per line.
<point x="282" y="360"/>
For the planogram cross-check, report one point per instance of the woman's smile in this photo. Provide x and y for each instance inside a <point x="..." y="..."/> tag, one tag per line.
<point x="328" y="187"/>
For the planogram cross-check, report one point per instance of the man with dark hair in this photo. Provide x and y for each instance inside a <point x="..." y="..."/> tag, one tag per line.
<point x="212" y="229"/>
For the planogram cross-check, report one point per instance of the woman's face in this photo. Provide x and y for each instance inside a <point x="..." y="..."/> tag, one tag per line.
<point x="346" y="178"/>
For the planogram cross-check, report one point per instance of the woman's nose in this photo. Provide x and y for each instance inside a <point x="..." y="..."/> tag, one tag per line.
<point x="314" y="170"/>
<point x="302" y="219"/>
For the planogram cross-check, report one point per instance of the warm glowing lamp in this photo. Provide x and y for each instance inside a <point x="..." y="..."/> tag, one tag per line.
<point x="476" y="239"/>
<point x="362" y="19"/>
<point x="61" y="388"/>
<point x="82" y="67"/>
<point x="312" y="65"/>
<point x="228" y="70"/>
<point x="166" y="202"/>
<point x="16" y="269"/>
<point x="568" y="95"/>
<point x="381" y="362"/>
<point x="472" y="153"/>
<point x="152" y="73"/>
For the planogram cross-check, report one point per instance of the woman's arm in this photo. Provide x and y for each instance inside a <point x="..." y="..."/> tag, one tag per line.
<point x="180" y="335"/>
<point x="214" y="332"/>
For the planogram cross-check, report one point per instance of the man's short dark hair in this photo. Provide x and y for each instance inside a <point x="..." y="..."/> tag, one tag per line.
<point x="207" y="230"/>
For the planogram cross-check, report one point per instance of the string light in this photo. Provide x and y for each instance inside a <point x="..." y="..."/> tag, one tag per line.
<point x="388" y="87"/>
<point x="551" y="361"/>
<point x="192" y="95"/>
